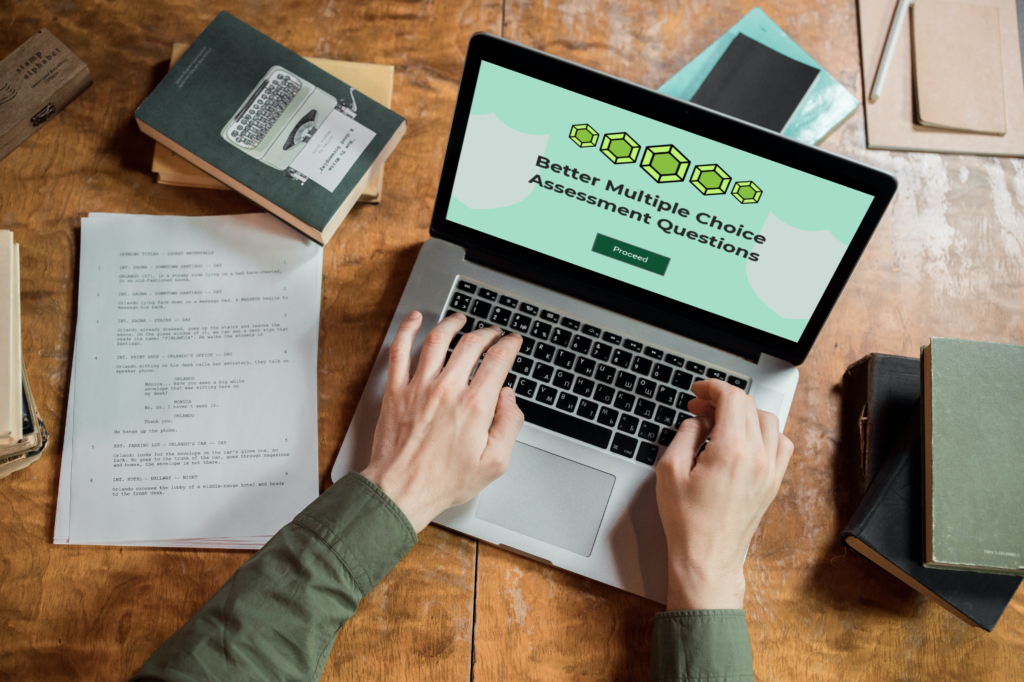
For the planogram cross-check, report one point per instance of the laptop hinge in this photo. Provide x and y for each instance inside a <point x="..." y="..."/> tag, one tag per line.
<point x="624" y="305"/>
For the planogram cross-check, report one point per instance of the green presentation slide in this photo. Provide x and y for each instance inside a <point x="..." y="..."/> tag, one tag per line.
<point x="657" y="207"/>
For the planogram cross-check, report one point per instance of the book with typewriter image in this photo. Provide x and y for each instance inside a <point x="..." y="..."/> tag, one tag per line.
<point x="271" y="125"/>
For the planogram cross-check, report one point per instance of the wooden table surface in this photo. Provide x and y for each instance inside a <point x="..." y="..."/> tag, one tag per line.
<point x="948" y="259"/>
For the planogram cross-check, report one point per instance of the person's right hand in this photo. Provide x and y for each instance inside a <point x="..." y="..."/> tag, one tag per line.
<point x="711" y="505"/>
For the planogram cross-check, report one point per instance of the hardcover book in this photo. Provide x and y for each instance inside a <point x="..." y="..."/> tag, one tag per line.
<point x="886" y="529"/>
<point x="271" y="125"/>
<point x="973" y="420"/>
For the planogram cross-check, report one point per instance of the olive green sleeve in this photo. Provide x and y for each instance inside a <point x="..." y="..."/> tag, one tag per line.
<point x="278" y="615"/>
<point x="692" y="646"/>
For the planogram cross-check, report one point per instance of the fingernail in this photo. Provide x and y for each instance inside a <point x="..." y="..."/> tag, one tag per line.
<point x="415" y="315"/>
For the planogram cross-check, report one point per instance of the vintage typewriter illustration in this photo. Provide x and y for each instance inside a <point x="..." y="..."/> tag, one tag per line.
<point x="280" y="115"/>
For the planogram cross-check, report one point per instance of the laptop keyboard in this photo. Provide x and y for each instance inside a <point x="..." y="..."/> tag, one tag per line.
<point x="587" y="383"/>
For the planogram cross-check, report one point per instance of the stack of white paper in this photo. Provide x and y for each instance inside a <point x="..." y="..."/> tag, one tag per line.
<point x="192" y="418"/>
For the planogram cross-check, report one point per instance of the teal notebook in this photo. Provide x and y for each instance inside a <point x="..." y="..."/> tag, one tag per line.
<point x="826" y="105"/>
<point x="271" y="125"/>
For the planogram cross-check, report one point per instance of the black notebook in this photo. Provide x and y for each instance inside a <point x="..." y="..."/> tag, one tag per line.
<point x="756" y="84"/>
<point x="887" y="529"/>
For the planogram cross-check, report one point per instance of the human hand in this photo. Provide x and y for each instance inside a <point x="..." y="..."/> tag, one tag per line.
<point x="440" y="439"/>
<point x="711" y="505"/>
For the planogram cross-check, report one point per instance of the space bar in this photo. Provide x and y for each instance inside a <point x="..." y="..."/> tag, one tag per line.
<point x="565" y="424"/>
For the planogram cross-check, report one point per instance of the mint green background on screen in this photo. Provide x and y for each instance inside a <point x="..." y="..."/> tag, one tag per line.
<point x="698" y="275"/>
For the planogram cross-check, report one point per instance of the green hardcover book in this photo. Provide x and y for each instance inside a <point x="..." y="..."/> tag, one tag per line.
<point x="271" y="125"/>
<point x="973" y="419"/>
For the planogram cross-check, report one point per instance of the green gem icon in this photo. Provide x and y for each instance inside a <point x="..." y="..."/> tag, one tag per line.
<point x="583" y="135"/>
<point x="620" y="148"/>
<point x="710" y="179"/>
<point x="746" y="192"/>
<point x="665" y="163"/>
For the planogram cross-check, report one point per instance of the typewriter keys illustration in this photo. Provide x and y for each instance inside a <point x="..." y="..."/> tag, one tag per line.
<point x="277" y="119"/>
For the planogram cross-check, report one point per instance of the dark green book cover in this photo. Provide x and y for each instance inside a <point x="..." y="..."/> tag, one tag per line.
<point x="272" y="125"/>
<point x="973" y="420"/>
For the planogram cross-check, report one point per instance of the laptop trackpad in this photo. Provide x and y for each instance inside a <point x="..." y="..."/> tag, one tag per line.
<point x="548" y="498"/>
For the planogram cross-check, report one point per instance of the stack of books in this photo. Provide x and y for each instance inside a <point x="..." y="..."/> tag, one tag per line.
<point x="942" y="443"/>
<point x="22" y="433"/>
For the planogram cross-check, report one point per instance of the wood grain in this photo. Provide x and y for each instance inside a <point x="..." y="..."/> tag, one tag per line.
<point x="947" y="260"/>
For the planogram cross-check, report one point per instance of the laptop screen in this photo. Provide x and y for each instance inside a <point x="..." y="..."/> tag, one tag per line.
<point x="695" y="220"/>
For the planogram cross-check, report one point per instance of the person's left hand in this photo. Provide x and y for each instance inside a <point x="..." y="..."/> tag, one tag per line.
<point x="440" y="439"/>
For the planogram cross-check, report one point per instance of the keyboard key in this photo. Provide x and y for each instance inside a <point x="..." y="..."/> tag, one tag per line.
<point x="521" y="323"/>
<point x="737" y="382"/>
<point x="566" y="424"/>
<point x="481" y="308"/>
<point x="641" y="365"/>
<point x="541" y="330"/>
<point x="562" y="337"/>
<point x="682" y="380"/>
<point x="522" y="364"/>
<point x="666" y="395"/>
<point x="466" y="286"/>
<point x="666" y="437"/>
<point x="587" y="409"/>
<point x="608" y="416"/>
<point x="571" y="324"/>
<point x="644" y="408"/>
<point x="625" y="381"/>
<point x="623" y="445"/>
<point x="604" y="394"/>
<point x="529" y="309"/>
<point x="461" y="301"/>
<point x="482" y="324"/>
<point x="542" y="372"/>
<point x="591" y="330"/>
<point x="489" y="295"/>
<point x="665" y="415"/>
<point x="447" y="357"/>
<point x="624" y="401"/>
<point x="581" y="344"/>
<point x="612" y="338"/>
<point x="527" y="346"/>
<point x="500" y="316"/>
<point x="550" y="316"/>
<point x="648" y="431"/>
<point x="455" y="341"/>
<point x="583" y="387"/>
<point x="526" y="388"/>
<point x="565" y="359"/>
<point x="547" y="395"/>
<point x="628" y="423"/>
<point x="622" y="359"/>
<point x="605" y="374"/>
<point x="683" y="403"/>
<point x="585" y="366"/>
<point x="509" y="301"/>
<point x="544" y="352"/>
<point x="646" y="388"/>
<point x="634" y="346"/>
<point x="695" y="367"/>
<point x="662" y="373"/>
<point x="601" y="351"/>
<point x="646" y="453"/>
<point x="675" y="360"/>
<point x="566" y="402"/>
<point x="562" y="379"/>
<point x="715" y="374"/>
<point x="654" y="353"/>
<point x="681" y="417"/>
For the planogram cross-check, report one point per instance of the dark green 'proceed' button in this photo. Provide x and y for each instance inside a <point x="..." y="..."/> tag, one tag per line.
<point x="634" y="255"/>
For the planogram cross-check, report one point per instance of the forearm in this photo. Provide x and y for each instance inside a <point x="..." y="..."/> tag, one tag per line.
<point x="278" y="615"/>
<point x="701" y="645"/>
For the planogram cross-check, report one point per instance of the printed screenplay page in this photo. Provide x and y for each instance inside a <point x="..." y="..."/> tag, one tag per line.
<point x="195" y="369"/>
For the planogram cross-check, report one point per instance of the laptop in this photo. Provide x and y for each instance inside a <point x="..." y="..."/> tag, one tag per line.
<point x="638" y="243"/>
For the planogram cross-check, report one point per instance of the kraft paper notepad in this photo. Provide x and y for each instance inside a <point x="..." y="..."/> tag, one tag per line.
<point x="958" y="74"/>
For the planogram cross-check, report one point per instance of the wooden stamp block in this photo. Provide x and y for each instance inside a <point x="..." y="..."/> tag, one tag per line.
<point x="37" y="80"/>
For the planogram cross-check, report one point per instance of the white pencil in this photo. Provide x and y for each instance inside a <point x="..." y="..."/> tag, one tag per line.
<point x="902" y="7"/>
